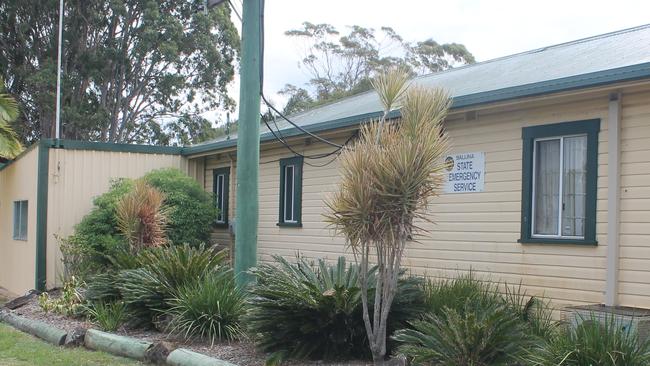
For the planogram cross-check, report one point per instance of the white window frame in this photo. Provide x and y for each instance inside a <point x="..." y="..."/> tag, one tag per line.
<point x="221" y="201"/>
<point x="292" y="220"/>
<point x="561" y="189"/>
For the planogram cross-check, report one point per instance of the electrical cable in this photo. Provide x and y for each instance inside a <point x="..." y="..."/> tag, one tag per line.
<point x="281" y="139"/>
<point x="298" y="126"/>
<point x="268" y="104"/>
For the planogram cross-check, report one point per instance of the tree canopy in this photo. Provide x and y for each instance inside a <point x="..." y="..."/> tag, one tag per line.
<point x="342" y="64"/>
<point x="129" y="67"/>
<point x="10" y="146"/>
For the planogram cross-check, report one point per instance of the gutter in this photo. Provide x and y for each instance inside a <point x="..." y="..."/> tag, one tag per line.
<point x="593" y="79"/>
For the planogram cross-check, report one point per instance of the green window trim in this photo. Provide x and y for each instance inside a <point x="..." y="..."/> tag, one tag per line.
<point x="590" y="128"/>
<point x="293" y="207"/>
<point x="222" y="218"/>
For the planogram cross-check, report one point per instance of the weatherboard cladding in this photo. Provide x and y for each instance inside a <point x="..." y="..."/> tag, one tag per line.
<point x="613" y="57"/>
<point x="476" y="231"/>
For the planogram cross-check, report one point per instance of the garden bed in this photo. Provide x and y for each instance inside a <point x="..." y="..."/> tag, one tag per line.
<point x="241" y="353"/>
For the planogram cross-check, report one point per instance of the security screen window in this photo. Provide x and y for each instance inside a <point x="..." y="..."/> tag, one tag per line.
<point x="559" y="183"/>
<point x="290" y="192"/>
<point x="221" y="179"/>
<point x="20" y="220"/>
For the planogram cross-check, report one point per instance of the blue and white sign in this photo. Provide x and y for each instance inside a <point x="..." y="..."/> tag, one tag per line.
<point x="465" y="173"/>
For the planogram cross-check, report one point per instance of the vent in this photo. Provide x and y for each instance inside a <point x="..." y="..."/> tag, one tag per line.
<point x="470" y="116"/>
<point x="628" y="319"/>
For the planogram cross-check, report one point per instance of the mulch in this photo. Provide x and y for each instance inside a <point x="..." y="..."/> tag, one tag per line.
<point x="241" y="353"/>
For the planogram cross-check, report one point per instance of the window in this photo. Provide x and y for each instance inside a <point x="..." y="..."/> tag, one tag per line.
<point x="220" y="185"/>
<point x="290" y="192"/>
<point x="20" y="220"/>
<point x="560" y="163"/>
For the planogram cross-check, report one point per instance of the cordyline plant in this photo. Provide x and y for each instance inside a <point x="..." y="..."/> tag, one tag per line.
<point x="141" y="216"/>
<point x="387" y="180"/>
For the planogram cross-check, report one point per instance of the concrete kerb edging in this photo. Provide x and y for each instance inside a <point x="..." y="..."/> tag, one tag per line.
<point x="185" y="357"/>
<point x="36" y="328"/>
<point x="110" y="343"/>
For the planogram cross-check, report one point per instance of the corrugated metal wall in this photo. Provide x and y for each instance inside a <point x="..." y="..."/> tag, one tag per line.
<point x="18" y="181"/>
<point x="76" y="177"/>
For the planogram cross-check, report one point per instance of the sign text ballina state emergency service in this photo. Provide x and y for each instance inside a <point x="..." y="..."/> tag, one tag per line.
<point x="465" y="173"/>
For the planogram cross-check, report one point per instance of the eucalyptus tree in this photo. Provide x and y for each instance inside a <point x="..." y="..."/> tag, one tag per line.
<point x="129" y="66"/>
<point x="343" y="63"/>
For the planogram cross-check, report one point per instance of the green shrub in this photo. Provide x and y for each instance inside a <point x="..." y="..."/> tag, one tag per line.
<point x="454" y="294"/>
<point x="108" y="316"/>
<point x="593" y="343"/>
<point x="177" y="266"/>
<point x="69" y="303"/>
<point x="77" y="258"/>
<point x="102" y="287"/>
<point x="209" y="309"/>
<point x="192" y="209"/>
<point x="191" y="212"/>
<point x="143" y="294"/>
<point x="535" y="312"/>
<point x="301" y="310"/>
<point x="148" y="279"/>
<point x="478" y="335"/>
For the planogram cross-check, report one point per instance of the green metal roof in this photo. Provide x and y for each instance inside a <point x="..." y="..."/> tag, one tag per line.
<point x="609" y="58"/>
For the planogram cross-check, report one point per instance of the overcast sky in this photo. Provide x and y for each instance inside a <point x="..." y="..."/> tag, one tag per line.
<point x="488" y="29"/>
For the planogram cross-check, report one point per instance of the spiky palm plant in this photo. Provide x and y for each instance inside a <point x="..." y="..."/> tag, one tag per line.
<point x="304" y="310"/>
<point x="475" y="335"/>
<point x="209" y="309"/>
<point x="387" y="180"/>
<point x="141" y="216"/>
<point x="603" y="342"/>
<point x="10" y="146"/>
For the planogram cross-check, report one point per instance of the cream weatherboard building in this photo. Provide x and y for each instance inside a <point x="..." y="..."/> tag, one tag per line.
<point x="550" y="183"/>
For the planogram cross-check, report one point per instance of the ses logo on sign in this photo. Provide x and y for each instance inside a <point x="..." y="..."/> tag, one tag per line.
<point x="465" y="173"/>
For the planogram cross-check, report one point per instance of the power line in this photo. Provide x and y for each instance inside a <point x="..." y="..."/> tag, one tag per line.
<point x="278" y="136"/>
<point x="298" y="126"/>
<point x="268" y="104"/>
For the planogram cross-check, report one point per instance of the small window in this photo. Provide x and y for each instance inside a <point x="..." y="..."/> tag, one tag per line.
<point x="220" y="188"/>
<point x="560" y="164"/>
<point x="20" y="220"/>
<point x="290" y="192"/>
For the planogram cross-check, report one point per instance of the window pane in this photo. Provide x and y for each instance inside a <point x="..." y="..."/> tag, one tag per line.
<point x="220" y="197"/>
<point x="547" y="187"/>
<point x="23" y="220"/>
<point x="16" y="219"/>
<point x="574" y="186"/>
<point x="288" y="193"/>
